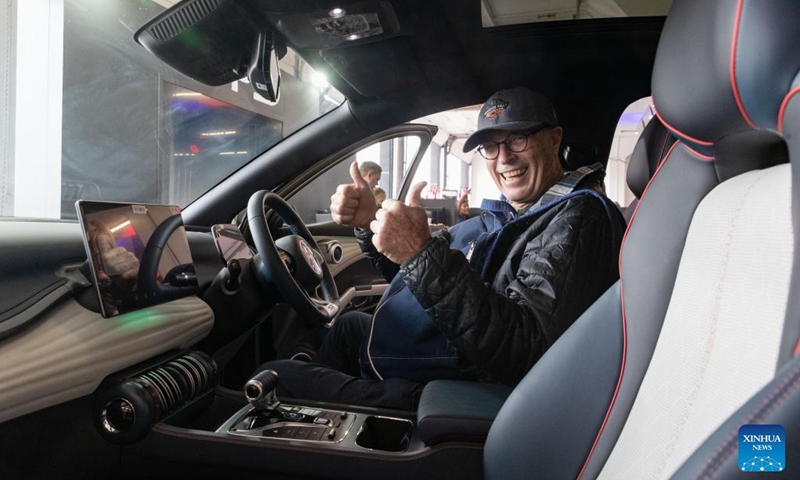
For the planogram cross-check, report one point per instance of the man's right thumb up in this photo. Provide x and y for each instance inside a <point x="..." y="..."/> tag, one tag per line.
<point x="358" y="180"/>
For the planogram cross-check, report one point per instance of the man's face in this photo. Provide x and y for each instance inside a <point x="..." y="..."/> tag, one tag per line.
<point x="372" y="179"/>
<point x="525" y="176"/>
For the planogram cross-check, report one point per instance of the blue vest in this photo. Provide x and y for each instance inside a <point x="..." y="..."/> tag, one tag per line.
<point x="403" y="342"/>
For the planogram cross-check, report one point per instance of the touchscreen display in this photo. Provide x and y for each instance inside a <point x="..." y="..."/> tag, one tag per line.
<point x="230" y="243"/>
<point x="139" y="255"/>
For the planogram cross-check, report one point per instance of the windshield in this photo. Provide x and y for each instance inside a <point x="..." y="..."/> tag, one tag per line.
<point x="96" y="117"/>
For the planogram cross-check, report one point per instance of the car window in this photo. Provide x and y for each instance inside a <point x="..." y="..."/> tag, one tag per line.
<point x="96" y="117"/>
<point x="393" y="157"/>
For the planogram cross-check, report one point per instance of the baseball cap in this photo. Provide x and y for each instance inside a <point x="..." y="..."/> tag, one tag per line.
<point x="517" y="109"/>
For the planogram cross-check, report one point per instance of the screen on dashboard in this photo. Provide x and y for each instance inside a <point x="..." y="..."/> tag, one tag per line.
<point x="138" y="254"/>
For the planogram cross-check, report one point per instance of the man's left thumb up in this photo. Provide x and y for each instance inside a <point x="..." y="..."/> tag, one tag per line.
<point x="415" y="194"/>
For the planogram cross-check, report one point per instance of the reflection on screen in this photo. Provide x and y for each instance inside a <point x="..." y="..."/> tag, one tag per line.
<point x="138" y="254"/>
<point x="230" y="243"/>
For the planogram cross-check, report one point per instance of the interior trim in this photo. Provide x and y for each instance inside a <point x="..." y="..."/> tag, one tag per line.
<point x="70" y="350"/>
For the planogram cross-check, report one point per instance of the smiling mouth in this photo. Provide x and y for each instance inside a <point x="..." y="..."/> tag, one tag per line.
<point x="511" y="174"/>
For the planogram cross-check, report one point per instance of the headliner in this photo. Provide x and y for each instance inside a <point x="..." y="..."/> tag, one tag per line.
<point x="443" y="58"/>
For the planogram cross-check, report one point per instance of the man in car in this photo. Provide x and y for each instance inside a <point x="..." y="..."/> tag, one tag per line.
<point x="484" y="300"/>
<point x="371" y="172"/>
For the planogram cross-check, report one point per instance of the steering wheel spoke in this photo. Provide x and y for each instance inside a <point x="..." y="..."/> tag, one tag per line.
<point x="309" y="270"/>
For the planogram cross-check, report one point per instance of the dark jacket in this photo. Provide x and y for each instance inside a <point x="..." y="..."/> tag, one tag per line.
<point x="562" y="262"/>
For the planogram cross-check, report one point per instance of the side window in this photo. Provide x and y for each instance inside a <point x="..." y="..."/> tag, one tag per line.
<point x="630" y="126"/>
<point x="449" y="176"/>
<point x="386" y="163"/>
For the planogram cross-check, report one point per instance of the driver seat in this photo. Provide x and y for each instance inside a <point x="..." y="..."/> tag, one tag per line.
<point x="701" y="332"/>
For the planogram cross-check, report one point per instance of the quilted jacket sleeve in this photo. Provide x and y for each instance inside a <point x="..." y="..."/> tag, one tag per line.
<point x="552" y="274"/>
<point x="386" y="267"/>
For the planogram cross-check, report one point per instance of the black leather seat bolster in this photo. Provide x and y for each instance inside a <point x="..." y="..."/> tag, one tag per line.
<point x="451" y="410"/>
<point x="776" y="404"/>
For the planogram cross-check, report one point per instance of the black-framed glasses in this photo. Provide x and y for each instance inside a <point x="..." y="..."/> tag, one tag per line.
<point x="515" y="142"/>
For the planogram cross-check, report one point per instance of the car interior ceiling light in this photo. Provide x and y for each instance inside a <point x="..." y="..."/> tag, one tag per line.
<point x="348" y="27"/>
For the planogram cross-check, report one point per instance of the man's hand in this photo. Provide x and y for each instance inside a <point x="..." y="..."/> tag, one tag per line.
<point x="401" y="231"/>
<point x="119" y="261"/>
<point x="354" y="204"/>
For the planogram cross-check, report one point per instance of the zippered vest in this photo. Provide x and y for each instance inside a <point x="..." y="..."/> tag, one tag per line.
<point x="403" y="342"/>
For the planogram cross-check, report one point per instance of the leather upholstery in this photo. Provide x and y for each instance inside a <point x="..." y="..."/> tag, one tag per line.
<point x="777" y="403"/>
<point x="651" y="148"/>
<point x="548" y="424"/>
<point x="716" y="72"/>
<point x="458" y="411"/>
<point x="712" y="89"/>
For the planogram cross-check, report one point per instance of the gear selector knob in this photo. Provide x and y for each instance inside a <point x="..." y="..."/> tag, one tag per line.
<point x="260" y="391"/>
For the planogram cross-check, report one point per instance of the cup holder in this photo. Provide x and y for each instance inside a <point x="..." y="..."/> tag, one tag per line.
<point x="385" y="433"/>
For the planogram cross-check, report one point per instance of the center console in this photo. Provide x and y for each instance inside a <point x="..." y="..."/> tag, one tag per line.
<point x="213" y="432"/>
<point x="267" y="417"/>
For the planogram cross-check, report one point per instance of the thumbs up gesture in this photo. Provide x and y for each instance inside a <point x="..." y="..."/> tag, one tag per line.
<point x="401" y="230"/>
<point x="354" y="204"/>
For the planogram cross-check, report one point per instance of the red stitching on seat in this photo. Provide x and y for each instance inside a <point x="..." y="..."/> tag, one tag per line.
<point x="796" y="350"/>
<point x="680" y="134"/>
<point x="753" y="415"/>
<point x="624" y="319"/>
<point x="734" y="85"/>
<point x="784" y="104"/>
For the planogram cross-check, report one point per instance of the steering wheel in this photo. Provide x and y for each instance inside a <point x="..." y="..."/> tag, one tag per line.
<point x="307" y="269"/>
<point x="183" y="281"/>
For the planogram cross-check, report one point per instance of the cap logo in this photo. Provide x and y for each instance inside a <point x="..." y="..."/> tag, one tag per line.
<point x="499" y="107"/>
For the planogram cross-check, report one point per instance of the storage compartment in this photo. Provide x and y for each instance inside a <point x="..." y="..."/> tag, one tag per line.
<point x="385" y="433"/>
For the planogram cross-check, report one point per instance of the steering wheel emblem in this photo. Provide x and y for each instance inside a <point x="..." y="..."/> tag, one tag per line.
<point x="311" y="259"/>
<point x="298" y="286"/>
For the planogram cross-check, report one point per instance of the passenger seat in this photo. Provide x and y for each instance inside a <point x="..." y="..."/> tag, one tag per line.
<point x="650" y="150"/>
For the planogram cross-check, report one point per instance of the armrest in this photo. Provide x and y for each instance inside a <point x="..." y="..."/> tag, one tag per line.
<point x="456" y="410"/>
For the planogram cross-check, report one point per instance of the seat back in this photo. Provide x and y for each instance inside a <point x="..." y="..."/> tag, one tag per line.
<point x="650" y="150"/>
<point x="695" y="327"/>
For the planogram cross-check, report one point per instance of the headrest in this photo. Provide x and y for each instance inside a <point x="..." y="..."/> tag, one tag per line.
<point x="725" y="66"/>
<point x="650" y="149"/>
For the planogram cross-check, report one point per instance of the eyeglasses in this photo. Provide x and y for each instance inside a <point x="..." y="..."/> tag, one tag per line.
<point x="515" y="142"/>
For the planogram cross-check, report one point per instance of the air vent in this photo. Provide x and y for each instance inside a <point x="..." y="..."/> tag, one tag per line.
<point x="183" y="18"/>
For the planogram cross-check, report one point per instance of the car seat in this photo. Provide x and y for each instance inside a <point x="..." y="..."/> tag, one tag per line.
<point x="702" y="329"/>
<point x="650" y="150"/>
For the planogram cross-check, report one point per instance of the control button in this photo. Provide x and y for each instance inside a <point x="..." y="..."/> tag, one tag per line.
<point x="338" y="424"/>
<point x="273" y="432"/>
<point x="302" y="433"/>
<point x="343" y="415"/>
<point x="322" y="421"/>
<point x="331" y="433"/>
<point x="288" y="432"/>
<point x="316" y="433"/>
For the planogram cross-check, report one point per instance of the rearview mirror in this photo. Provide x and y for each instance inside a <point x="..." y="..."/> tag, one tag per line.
<point x="264" y="72"/>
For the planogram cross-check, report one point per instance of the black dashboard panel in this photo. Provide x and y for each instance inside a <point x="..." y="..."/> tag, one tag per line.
<point x="40" y="263"/>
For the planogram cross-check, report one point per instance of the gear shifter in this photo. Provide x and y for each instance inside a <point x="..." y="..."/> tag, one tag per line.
<point x="269" y="418"/>
<point x="260" y="391"/>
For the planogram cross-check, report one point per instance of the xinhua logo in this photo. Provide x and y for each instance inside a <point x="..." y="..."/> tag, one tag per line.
<point x="762" y="448"/>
